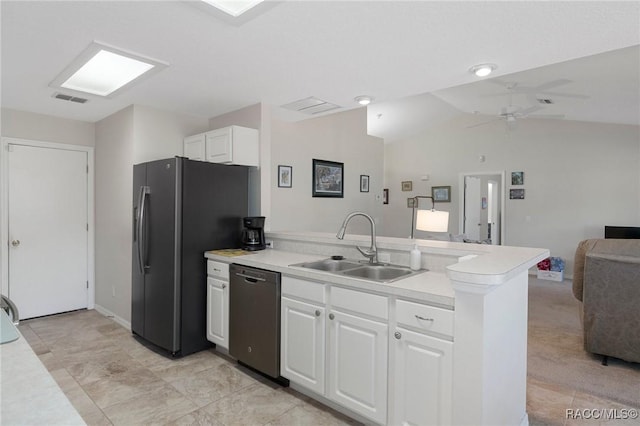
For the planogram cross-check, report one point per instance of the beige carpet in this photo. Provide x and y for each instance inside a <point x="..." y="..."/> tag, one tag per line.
<point x="556" y="354"/>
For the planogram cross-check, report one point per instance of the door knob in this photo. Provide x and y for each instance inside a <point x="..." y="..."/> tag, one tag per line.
<point x="15" y="243"/>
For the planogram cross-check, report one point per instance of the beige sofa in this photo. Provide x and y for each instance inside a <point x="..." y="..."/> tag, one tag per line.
<point x="606" y="279"/>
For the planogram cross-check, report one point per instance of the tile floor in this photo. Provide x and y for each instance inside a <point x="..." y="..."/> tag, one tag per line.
<point x="112" y="379"/>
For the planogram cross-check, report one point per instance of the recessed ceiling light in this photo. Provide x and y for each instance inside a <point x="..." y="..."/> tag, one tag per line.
<point x="363" y="100"/>
<point x="105" y="70"/>
<point x="234" y="8"/>
<point x="483" y="70"/>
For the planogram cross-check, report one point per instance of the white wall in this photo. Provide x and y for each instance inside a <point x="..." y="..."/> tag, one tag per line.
<point x="579" y="177"/>
<point x="340" y="137"/>
<point x="158" y="134"/>
<point x="114" y="182"/>
<point x="133" y="135"/>
<point x="39" y="127"/>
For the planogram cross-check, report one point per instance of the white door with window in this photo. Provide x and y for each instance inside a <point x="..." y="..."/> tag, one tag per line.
<point x="47" y="229"/>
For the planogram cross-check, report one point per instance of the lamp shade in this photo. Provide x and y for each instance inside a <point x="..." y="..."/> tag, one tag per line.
<point x="432" y="221"/>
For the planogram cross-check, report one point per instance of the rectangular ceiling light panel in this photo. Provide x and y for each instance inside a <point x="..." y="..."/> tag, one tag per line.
<point x="234" y="8"/>
<point x="103" y="70"/>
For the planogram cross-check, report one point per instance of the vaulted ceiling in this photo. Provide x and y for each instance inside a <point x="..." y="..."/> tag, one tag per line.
<point x="333" y="50"/>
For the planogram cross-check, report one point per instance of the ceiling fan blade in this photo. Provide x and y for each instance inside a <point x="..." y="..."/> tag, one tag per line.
<point x="550" y="85"/>
<point x="482" y="123"/>
<point x="565" y="95"/>
<point x="558" y="116"/>
<point x="527" y="111"/>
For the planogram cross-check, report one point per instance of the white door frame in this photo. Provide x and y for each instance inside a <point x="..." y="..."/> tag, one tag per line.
<point x="503" y="198"/>
<point x="4" y="209"/>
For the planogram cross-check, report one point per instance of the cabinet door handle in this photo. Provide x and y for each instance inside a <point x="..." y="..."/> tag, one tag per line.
<point x="397" y="335"/>
<point x="224" y="286"/>
<point x="424" y="319"/>
<point x="317" y="312"/>
<point x="331" y="316"/>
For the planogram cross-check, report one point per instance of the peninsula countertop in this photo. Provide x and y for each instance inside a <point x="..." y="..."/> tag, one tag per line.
<point x="429" y="286"/>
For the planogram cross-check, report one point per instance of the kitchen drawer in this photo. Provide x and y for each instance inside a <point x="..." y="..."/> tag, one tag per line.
<point x="218" y="269"/>
<point x="359" y="302"/>
<point x="302" y="289"/>
<point x="424" y="317"/>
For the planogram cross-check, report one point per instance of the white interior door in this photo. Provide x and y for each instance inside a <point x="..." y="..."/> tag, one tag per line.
<point x="472" y="206"/>
<point x="494" y="211"/>
<point x="47" y="226"/>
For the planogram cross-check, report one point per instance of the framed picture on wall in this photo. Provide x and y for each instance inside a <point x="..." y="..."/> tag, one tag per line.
<point x="517" y="178"/>
<point x="328" y="179"/>
<point x="441" y="194"/>
<point x="364" y="183"/>
<point x="516" y="194"/>
<point x="285" y="176"/>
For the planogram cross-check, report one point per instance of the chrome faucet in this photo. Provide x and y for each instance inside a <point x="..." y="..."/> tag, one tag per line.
<point x="372" y="252"/>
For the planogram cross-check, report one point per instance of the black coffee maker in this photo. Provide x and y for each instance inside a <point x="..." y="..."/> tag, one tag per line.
<point x="253" y="233"/>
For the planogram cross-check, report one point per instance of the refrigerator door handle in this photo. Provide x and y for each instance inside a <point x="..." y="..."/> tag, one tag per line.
<point x="144" y="191"/>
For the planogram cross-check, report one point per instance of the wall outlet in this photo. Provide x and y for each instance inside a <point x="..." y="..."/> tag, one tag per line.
<point x="384" y="257"/>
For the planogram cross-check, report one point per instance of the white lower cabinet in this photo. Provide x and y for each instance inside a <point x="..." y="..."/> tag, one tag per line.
<point x="358" y="364"/>
<point x="336" y="342"/>
<point x="422" y="379"/>
<point x="218" y="303"/>
<point x="303" y="343"/>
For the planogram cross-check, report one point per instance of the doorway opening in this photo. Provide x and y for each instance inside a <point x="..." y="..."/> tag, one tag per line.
<point x="482" y="216"/>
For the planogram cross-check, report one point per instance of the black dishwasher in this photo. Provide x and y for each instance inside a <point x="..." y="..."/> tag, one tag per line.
<point x="254" y="318"/>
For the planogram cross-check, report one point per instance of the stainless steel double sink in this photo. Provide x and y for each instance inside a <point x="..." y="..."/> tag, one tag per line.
<point x="379" y="272"/>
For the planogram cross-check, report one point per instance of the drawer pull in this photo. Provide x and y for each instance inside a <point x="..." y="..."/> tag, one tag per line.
<point x="317" y="312"/>
<point x="397" y="335"/>
<point x="217" y="270"/>
<point x="424" y="319"/>
<point x="331" y="316"/>
<point x="224" y="286"/>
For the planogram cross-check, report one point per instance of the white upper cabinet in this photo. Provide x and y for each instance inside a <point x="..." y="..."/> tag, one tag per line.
<point x="229" y="145"/>
<point x="194" y="147"/>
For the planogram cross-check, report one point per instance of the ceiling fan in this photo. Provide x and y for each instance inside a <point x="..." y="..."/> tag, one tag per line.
<point x="532" y="92"/>
<point x="511" y="113"/>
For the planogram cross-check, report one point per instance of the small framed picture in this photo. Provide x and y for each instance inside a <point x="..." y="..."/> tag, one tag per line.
<point x="441" y="194"/>
<point x="385" y="196"/>
<point x="364" y="183"/>
<point x="285" y="177"/>
<point x="407" y="185"/>
<point x="411" y="202"/>
<point x="328" y="179"/>
<point x="517" y="178"/>
<point x="516" y="194"/>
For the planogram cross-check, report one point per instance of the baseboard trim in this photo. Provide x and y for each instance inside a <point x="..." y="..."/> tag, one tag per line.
<point x="107" y="313"/>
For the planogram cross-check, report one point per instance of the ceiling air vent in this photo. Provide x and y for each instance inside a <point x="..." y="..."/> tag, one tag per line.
<point x="311" y="106"/>
<point x="545" y="101"/>
<point x="64" y="97"/>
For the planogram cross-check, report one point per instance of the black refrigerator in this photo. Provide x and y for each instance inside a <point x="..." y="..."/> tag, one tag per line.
<point x="181" y="208"/>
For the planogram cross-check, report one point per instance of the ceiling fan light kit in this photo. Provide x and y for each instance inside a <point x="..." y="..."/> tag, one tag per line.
<point x="483" y="70"/>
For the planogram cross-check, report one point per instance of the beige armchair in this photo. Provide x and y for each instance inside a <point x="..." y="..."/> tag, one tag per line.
<point x="606" y="279"/>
